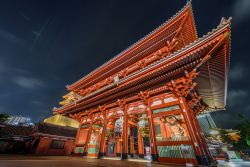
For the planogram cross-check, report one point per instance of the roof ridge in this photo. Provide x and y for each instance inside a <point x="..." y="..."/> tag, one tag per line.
<point x="222" y="23"/>
<point x="188" y="4"/>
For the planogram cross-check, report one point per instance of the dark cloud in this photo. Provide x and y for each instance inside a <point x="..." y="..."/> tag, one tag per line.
<point x="238" y="72"/>
<point x="8" y="37"/>
<point x="28" y="83"/>
<point x="46" y="45"/>
<point x="241" y="10"/>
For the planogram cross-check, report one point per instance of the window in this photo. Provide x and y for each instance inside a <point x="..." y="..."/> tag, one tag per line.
<point x="57" y="144"/>
<point x="165" y="109"/>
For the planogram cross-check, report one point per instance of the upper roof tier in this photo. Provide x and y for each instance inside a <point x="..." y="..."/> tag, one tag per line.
<point x="180" y="26"/>
<point x="209" y="56"/>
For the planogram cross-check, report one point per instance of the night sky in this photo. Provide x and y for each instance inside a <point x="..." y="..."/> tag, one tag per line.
<point x="46" y="45"/>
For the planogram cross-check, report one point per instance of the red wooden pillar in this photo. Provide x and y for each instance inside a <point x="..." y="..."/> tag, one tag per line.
<point x="192" y="130"/>
<point x="118" y="147"/>
<point x="85" y="153"/>
<point x="154" y="152"/>
<point x="140" y="145"/>
<point x="102" y="143"/>
<point x="202" y="141"/>
<point x="125" y="136"/>
<point x="131" y="143"/>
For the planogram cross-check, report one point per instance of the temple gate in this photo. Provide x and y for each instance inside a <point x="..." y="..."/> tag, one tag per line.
<point x="143" y="103"/>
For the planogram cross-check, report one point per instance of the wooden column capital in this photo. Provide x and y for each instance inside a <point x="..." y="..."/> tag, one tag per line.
<point x="122" y="103"/>
<point x="183" y="86"/>
<point x="144" y="96"/>
<point x="102" y="108"/>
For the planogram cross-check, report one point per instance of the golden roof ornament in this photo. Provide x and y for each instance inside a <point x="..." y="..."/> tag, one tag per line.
<point x="69" y="98"/>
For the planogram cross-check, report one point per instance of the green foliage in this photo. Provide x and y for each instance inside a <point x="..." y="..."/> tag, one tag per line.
<point x="3" y="117"/>
<point x="244" y="128"/>
<point x="248" y="137"/>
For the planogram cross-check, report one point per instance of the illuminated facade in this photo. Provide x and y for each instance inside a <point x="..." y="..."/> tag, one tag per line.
<point x="206" y="123"/>
<point x="143" y="103"/>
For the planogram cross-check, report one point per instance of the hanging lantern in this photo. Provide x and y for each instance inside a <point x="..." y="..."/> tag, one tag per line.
<point x="109" y="134"/>
<point x="143" y="128"/>
<point x="118" y="126"/>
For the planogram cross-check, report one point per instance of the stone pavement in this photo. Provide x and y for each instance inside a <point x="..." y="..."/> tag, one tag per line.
<point x="234" y="164"/>
<point x="65" y="161"/>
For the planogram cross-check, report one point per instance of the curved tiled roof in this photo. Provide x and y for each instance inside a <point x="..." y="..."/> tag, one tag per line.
<point x="135" y="52"/>
<point x="11" y="130"/>
<point x="188" y="54"/>
<point x="55" y="130"/>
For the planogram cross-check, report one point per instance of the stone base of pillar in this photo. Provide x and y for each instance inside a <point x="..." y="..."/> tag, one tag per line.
<point x="124" y="155"/>
<point x="102" y="154"/>
<point x="204" y="160"/>
<point x="154" y="157"/>
<point x="141" y="155"/>
<point x="77" y="154"/>
<point x="84" y="153"/>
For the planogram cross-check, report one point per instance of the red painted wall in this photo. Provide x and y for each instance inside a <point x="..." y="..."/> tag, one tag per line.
<point x="82" y="136"/>
<point x="43" y="147"/>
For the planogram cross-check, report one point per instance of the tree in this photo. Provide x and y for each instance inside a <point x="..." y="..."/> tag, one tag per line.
<point x="3" y="117"/>
<point x="244" y="128"/>
<point x="234" y="137"/>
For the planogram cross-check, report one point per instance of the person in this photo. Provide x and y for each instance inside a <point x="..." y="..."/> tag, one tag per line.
<point x="226" y="157"/>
